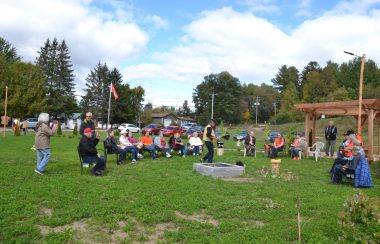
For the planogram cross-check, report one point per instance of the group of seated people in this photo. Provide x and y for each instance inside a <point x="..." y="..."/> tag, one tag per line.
<point x="128" y="143"/>
<point x="351" y="161"/>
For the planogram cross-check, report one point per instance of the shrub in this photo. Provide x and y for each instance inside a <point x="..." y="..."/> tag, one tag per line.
<point x="75" y="130"/>
<point x="360" y="219"/>
<point x="17" y="128"/>
<point x="59" y="129"/>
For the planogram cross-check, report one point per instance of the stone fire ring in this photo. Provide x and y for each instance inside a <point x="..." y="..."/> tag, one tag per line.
<point x="219" y="169"/>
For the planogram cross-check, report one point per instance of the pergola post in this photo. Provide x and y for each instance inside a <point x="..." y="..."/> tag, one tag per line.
<point x="370" y="135"/>
<point x="307" y="127"/>
<point x="314" y="133"/>
<point x="378" y="138"/>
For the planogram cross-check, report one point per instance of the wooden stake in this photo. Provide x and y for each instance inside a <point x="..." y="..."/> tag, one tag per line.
<point x="299" y="219"/>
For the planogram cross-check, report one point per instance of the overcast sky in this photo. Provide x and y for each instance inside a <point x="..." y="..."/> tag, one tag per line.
<point x="168" y="46"/>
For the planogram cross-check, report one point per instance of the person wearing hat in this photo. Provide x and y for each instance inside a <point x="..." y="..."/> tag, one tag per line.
<point x="330" y="136"/>
<point x="209" y="137"/>
<point x="348" y="168"/>
<point x="347" y="146"/>
<point x="87" y="148"/>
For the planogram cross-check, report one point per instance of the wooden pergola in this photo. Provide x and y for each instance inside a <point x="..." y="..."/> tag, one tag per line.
<point x="370" y="111"/>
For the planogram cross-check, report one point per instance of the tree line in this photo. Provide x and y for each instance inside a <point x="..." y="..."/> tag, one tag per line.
<point x="47" y="85"/>
<point x="236" y="103"/>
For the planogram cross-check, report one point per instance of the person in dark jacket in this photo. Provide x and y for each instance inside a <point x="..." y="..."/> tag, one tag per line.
<point x="349" y="168"/>
<point x="209" y="137"/>
<point x="113" y="146"/>
<point x="330" y="136"/>
<point x="87" y="148"/>
<point x="87" y="123"/>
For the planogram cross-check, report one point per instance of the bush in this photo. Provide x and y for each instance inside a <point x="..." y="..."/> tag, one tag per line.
<point x="59" y="130"/>
<point x="360" y="219"/>
<point x="17" y="128"/>
<point x="75" y="130"/>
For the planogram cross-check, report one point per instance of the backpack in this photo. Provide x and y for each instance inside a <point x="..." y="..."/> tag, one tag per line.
<point x="336" y="176"/>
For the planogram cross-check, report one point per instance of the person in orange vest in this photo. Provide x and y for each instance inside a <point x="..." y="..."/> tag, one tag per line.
<point x="278" y="145"/>
<point x="351" y="141"/>
<point x="24" y="127"/>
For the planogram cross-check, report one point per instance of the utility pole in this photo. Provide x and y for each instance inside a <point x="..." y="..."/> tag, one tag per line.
<point x="257" y="105"/>
<point x="212" y="105"/>
<point x="275" y="122"/>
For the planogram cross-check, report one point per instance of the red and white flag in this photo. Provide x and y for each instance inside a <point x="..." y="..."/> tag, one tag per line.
<point x="114" y="92"/>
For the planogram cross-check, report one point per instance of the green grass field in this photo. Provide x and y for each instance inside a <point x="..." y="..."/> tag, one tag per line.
<point x="164" y="200"/>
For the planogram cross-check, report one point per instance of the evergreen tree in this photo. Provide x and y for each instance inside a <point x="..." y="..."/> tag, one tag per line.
<point x="185" y="109"/>
<point x="285" y="76"/>
<point x="8" y="52"/>
<point x="54" y="60"/>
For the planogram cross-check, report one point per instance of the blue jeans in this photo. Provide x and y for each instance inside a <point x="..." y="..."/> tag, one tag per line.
<point x="196" y="149"/>
<point x="132" y="150"/>
<point x="152" y="149"/>
<point x="43" y="156"/>
<point x="210" y="154"/>
<point x="100" y="162"/>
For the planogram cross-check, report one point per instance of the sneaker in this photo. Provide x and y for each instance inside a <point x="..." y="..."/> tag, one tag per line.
<point x="139" y="155"/>
<point x="134" y="161"/>
<point x="197" y="154"/>
<point x="119" y="163"/>
<point x="193" y="154"/>
<point x="202" y="161"/>
<point x="183" y="156"/>
<point x="86" y="165"/>
<point x="38" y="172"/>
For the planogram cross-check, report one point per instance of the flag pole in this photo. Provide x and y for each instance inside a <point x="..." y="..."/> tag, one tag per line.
<point x="109" y="107"/>
<point x="5" y="109"/>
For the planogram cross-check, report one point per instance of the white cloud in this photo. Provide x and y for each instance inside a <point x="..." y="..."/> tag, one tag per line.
<point x="261" y="6"/>
<point x="304" y="8"/>
<point x="91" y="34"/>
<point x="156" y="21"/>
<point x="253" y="49"/>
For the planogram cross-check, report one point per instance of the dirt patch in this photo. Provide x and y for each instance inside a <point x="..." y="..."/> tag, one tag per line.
<point x="201" y="217"/>
<point x="46" y="212"/>
<point x="254" y="223"/>
<point x="243" y="180"/>
<point x="159" y="231"/>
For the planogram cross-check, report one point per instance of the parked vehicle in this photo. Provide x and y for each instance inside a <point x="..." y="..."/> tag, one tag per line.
<point x="240" y="136"/>
<point x="152" y="129"/>
<point x="170" y="130"/>
<point x="130" y="127"/>
<point x="31" y="123"/>
<point x="189" y="125"/>
<point x="191" y="130"/>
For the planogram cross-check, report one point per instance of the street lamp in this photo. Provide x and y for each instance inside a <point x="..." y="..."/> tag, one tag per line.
<point x="360" y="90"/>
<point x="257" y="105"/>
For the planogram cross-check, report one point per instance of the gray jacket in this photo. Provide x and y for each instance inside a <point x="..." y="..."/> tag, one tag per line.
<point x="43" y="134"/>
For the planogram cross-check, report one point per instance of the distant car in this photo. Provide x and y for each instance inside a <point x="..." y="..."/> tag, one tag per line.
<point x="31" y="123"/>
<point x="196" y="128"/>
<point x="130" y="127"/>
<point x="273" y="135"/>
<point x="170" y="130"/>
<point x="189" y="125"/>
<point x="152" y="129"/>
<point x="240" y="136"/>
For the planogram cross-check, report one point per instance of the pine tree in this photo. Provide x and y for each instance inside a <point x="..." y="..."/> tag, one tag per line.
<point x="8" y="52"/>
<point x="54" y="60"/>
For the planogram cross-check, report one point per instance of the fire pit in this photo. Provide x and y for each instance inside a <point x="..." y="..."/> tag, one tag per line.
<point x="219" y="169"/>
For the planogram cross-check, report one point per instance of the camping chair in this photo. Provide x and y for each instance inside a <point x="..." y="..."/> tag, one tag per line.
<point x="317" y="150"/>
<point x="108" y="152"/>
<point x="245" y="151"/>
<point x="81" y="161"/>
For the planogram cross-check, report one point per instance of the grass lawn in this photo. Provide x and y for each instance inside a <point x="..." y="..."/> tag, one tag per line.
<point x="164" y="200"/>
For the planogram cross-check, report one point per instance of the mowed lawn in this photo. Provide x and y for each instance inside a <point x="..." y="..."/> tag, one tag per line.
<point x="165" y="200"/>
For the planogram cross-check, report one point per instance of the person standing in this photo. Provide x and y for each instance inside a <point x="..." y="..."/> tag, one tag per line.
<point x="87" y="123"/>
<point x="209" y="137"/>
<point x="330" y="135"/>
<point x="42" y="142"/>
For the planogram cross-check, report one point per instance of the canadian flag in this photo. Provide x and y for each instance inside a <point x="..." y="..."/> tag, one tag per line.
<point x="114" y="92"/>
